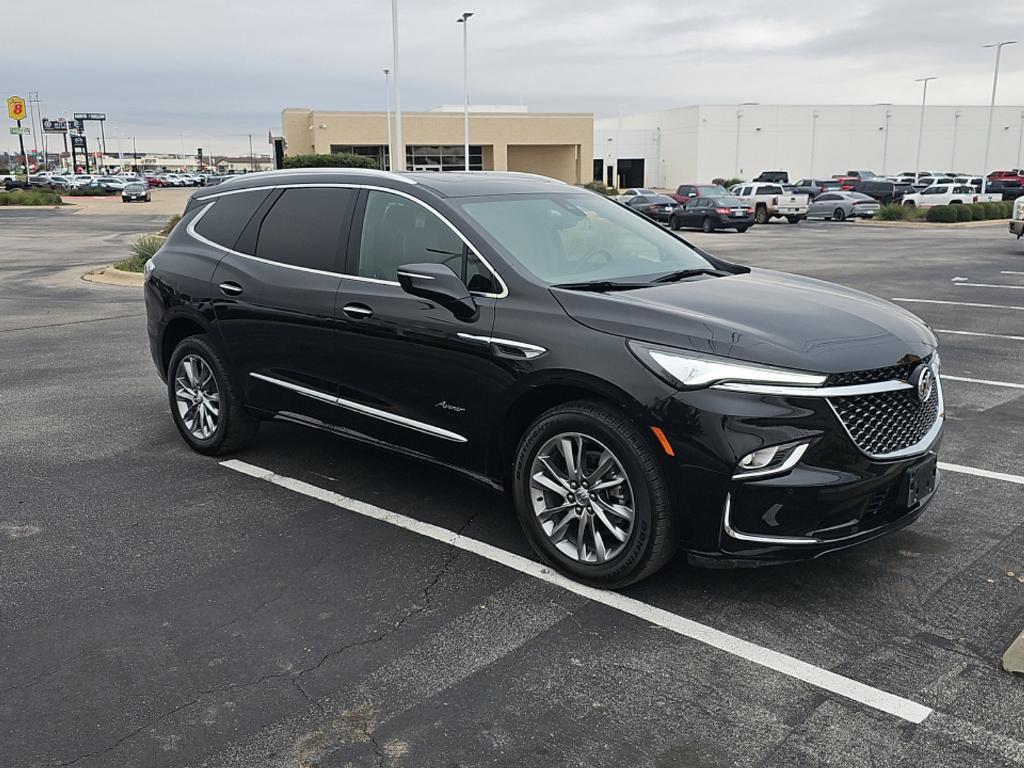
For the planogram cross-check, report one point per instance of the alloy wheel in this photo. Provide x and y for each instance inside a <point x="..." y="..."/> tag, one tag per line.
<point x="582" y="498"/>
<point x="197" y="396"/>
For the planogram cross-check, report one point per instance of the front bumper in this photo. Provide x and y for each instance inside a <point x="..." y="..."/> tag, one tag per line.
<point x="835" y="497"/>
<point x="1017" y="227"/>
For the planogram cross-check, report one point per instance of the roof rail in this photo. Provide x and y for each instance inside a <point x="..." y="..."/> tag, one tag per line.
<point x="520" y="173"/>
<point x="314" y="171"/>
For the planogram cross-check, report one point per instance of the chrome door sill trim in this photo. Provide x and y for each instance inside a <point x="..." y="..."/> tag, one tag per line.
<point x="365" y="410"/>
<point x="730" y="531"/>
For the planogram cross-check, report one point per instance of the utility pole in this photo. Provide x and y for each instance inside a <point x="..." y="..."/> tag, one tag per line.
<point x="252" y="157"/>
<point x="387" y="91"/>
<point x="135" y="156"/>
<point x="956" y="122"/>
<point x="33" y="117"/>
<point x="991" y="110"/>
<point x="814" y="128"/>
<point x="739" y="116"/>
<point x="464" y="21"/>
<point x="885" y="140"/>
<point x="399" y="145"/>
<point x="920" y="126"/>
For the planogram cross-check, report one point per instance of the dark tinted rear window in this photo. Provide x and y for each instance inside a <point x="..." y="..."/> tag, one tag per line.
<point x="224" y="222"/>
<point x="306" y="227"/>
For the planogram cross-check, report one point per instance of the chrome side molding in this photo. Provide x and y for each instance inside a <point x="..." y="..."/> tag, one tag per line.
<point x="508" y="347"/>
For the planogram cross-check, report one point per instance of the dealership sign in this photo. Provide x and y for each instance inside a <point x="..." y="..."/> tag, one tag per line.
<point x="60" y="125"/>
<point x="90" y="115"/>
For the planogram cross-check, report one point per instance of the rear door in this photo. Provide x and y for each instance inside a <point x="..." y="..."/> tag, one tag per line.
<point x="276" y="292"/>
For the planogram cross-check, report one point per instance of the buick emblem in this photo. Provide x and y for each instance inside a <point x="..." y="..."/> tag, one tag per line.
<point x="923" y="381"/>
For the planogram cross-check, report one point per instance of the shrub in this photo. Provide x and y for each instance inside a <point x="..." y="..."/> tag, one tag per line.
<point x="169" y="225"/>
<point x="993" y="210"/>
<point x="963" y="212"/>
<point x="892" y="212"/>
<point x="29" y="197"/>
<point x="1007" y="208"/>
<point x="727" y="182"/>
<point x="340" y="160"/>
<point x="600" y="188"/>
<point x="942" y="213"/>
<point x="142" y="251"/>
<point x="977" y="211"/>
<point x="89" y="192"/>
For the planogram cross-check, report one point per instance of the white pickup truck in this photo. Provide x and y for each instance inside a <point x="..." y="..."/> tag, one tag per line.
<point x="1017" y="222"/>
<point x="948" y="194"/>
<point x="770" y="200"/>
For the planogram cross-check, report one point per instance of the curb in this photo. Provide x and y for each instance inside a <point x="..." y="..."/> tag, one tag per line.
<point x="935" y="224"/>
<point x="1013" y="659"/>
<point x="111" y="276"/>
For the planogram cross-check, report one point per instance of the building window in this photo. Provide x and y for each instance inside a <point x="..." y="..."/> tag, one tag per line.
<point x="451" y="157"/>
<point x="377" y="152"/>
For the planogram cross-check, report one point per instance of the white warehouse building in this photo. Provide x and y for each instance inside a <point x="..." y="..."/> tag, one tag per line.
<point x="698" y="143"/>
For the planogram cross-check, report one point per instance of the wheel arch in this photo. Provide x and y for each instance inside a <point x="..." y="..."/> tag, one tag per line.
<point x="178" y="328"/>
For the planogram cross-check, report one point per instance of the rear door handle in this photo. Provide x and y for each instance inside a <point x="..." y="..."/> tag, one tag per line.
<point x="230" y="289"/>
<point x="357" y="311"/>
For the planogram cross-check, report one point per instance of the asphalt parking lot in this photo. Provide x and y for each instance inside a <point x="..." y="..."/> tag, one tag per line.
<point x="159" y="608"/>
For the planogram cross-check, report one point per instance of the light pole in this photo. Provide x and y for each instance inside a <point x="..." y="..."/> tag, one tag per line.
<point x="135" y="156"/>
<point x="120" y="155"/>
<point x="464" y="21"/>
<point x="387" y="91"/>
<point x="181" y="138"/>
<point x="399" y="146"/>
<point x="1020" y="141"/>
<point x="920" y="125"/>
<point x="956" y="122"/>
<point x="991" y="110"/>
<point x="739" y="116"/>
<point x="885" y="140"/>
<point x="814" y="128"/>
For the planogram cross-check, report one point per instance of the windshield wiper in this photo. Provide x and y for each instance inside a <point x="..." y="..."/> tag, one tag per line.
<point x="683" y="274"/>
<point x="600" y="286"/>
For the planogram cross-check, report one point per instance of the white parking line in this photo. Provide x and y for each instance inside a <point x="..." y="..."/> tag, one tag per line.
<point x="978" y="333"/>
<point x="1009" y="272"/>
<point x="961" y="304"/>
<point x="1018" y="479"/>
<point x="989" y="285"/>
<point x="991" y="383"/>
<point x="780" y="662"/>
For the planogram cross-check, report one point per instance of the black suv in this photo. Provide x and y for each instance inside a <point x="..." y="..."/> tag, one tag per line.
<point x="630" y="391"/>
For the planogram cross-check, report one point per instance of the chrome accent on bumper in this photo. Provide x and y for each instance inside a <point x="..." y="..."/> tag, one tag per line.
<point x="791" y="461"/>
<point x="732" y="532"/>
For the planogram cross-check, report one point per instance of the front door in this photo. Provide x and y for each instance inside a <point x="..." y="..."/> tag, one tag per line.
<point x="276" y="300"/>
<point x="412" y="374"/>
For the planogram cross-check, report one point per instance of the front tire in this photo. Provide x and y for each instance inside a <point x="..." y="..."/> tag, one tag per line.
<point x="673" y="223"/>
<point x="205" y="406"/>
<point x="741" y="230"/>
<point x="839" y="214"/>
<point x="591" y="496"/>
<point x="707" y="225"/>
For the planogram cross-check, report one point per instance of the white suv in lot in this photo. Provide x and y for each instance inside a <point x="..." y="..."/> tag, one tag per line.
<point x="1017" y="222"/>
<point x="941" y="194"/>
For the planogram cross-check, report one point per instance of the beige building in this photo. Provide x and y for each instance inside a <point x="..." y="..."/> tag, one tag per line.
<point x="559" y="145"/>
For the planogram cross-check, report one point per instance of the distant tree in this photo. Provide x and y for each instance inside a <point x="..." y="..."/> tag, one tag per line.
<point x="340" y="160"/>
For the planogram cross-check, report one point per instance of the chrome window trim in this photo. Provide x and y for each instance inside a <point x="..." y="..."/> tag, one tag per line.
<point x="791" y="461"/>
<point x="922" y="445"/>
<point x="416" y="275"/>
<point x="365" y="410"/>
<point x="762" y="539"/>
<point x="213" y="198"/>
<point x="846" y="390"/>
<point x="530" y="351"/>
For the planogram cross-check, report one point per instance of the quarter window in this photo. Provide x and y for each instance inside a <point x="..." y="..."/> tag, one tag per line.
<point x="398" y="231"/>
<point x="224" y="222"/>
<point x="306" y="227"/>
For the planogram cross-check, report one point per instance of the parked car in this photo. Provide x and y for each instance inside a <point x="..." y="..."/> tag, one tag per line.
<point x="885" y="192"/>
<point x="711" y="213"/>
<point x="944" y="194"/>
<point x="847" y="183"/>
<point x="632" y="393"/>
<point x="840" y="206"/>
<point x="135" y="190"/>
<point x="1015" y="174"/>
<point x="686" y="191"/>
<point x="658" y="207"/>
<point x="1017" y="221"/>
<point x="923" y="182"/>
<point x="773" y="177"/>
<point x="814" y="187"/>
<point x="862" y="175"/>
<point x="110" y="183"/>
<point x="56" y="182"/>
<point x="1006" y="188"/>
<point x="633" y="192"/>
<point x="769" y="200"/>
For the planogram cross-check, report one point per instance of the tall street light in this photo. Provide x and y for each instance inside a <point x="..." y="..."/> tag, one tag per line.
<point x="885" y="140"/>
<point x="387" y="90"/>
<point x="814" y="126"/>
<point x="956" y="123"/>
<point x="464" y="21"/>
<point x="1020" y="141"/>
<point x="991" y="109"/>
<point x="399" y="146"/>
<point x="739" y="116"/>
<point x="920" y="125"/>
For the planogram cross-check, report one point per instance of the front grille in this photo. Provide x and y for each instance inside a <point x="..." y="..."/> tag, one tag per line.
<point x="883" y="423"/>
<point x="891" y="373"/>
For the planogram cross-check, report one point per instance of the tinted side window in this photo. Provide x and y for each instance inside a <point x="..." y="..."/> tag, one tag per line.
<point x="224" y="222"/>
<point x="398" y="231"/>
<point x="306" y="227"/>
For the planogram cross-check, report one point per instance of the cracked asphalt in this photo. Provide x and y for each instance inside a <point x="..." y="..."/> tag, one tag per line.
<point x="157" y="609"/>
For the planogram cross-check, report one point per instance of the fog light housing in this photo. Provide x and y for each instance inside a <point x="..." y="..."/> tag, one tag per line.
<point x="771" y="460"/>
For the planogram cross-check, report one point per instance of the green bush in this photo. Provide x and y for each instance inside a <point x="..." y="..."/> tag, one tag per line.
<point x="142" y="251"/>
<point x="992" y="210"/>
<point x="169" y="225"/>
<point x="89" y="192"/>
<point x="892" y="212"/>
<point x="726" y="182"/>
<point x="963" y="212"/>
<point x="977" y="211"/>
<point x="29" y="197"/>
<point x="340" y="160"/>
<point x="944" y="214"/>
<point x="597" y="186"/>
<point x="1007" y="208"/>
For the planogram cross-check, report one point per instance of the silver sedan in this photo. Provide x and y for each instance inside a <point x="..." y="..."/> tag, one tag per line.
<point x="840" y="206"/>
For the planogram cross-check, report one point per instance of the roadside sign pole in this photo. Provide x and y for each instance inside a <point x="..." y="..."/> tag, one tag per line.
<point x="103" y="138"/>
<point x="21" y="143"/>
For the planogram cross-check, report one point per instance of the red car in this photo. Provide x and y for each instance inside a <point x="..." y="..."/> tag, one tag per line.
<point x="686" y="192"/>
<point x="847" y="182"/>
<point x="154" y="181"/>
<point x="1011" y="175"/>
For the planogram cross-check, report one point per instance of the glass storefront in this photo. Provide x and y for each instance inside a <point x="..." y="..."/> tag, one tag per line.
<point x="450" y="157"/>
<point x="379" y="153"/>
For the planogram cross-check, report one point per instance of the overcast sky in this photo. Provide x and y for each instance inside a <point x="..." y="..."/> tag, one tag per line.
<point x="217" y="71"/>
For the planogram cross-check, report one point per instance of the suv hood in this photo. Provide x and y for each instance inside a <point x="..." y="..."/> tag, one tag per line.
<point x="764" y="317"/>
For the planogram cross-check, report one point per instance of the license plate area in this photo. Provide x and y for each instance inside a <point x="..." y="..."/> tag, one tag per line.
<point x="918" y="483"/>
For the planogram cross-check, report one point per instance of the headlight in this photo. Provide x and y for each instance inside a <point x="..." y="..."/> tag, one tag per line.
<point x="936" y="361"/>
<point x="147" y="270"/>
<point x="690" y="370"/>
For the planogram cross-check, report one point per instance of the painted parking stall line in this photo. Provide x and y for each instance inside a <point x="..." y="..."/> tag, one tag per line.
<point x="979" y="333"/>
<point x="965" y="470"/>
<point x="989" y="285"/>
<point x="961" y="304"/>
<point x="818" y="677"/>
<point x="989" y="382"/>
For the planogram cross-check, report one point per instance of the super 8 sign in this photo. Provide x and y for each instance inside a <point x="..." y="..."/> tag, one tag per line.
<point x="16" y="108"/>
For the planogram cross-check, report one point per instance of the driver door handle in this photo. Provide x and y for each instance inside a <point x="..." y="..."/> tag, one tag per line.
<point x="230" y="289"/>
<point x="357" y="311"/>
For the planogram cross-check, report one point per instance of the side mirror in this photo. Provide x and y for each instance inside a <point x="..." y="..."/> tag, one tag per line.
<point x="437" y="283"/>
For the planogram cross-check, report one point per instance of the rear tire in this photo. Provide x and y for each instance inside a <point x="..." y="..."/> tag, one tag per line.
<point x="761" y="215"/>
<point x="741" y="230"/>
<point x="707" y="225"/>
<point x="839" y="214"/>
<point x="205" y="405"/>
<point x="637" y="505"/>
<point x="673" y="223"/>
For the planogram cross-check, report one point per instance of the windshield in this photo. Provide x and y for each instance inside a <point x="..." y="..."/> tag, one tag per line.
<point x="710" y="190"/>
<point x="580" y="237"/>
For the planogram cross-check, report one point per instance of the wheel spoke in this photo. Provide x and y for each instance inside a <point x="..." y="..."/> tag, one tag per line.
<point x="190" y="371"/>
<point x="606" y="463"/>
<point x="619" y="510"/>
<point x="615" y="481"/>
<point x="553" y="473"/>
<point x="561" y="526"/>
<point x="541" y="479"/>
<point x="618" y="533"/>
<point x="551" y="511"/>
<point x="569" y="452"/>
<point x="599" y="551"/>
<point x="580" y="544"/>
